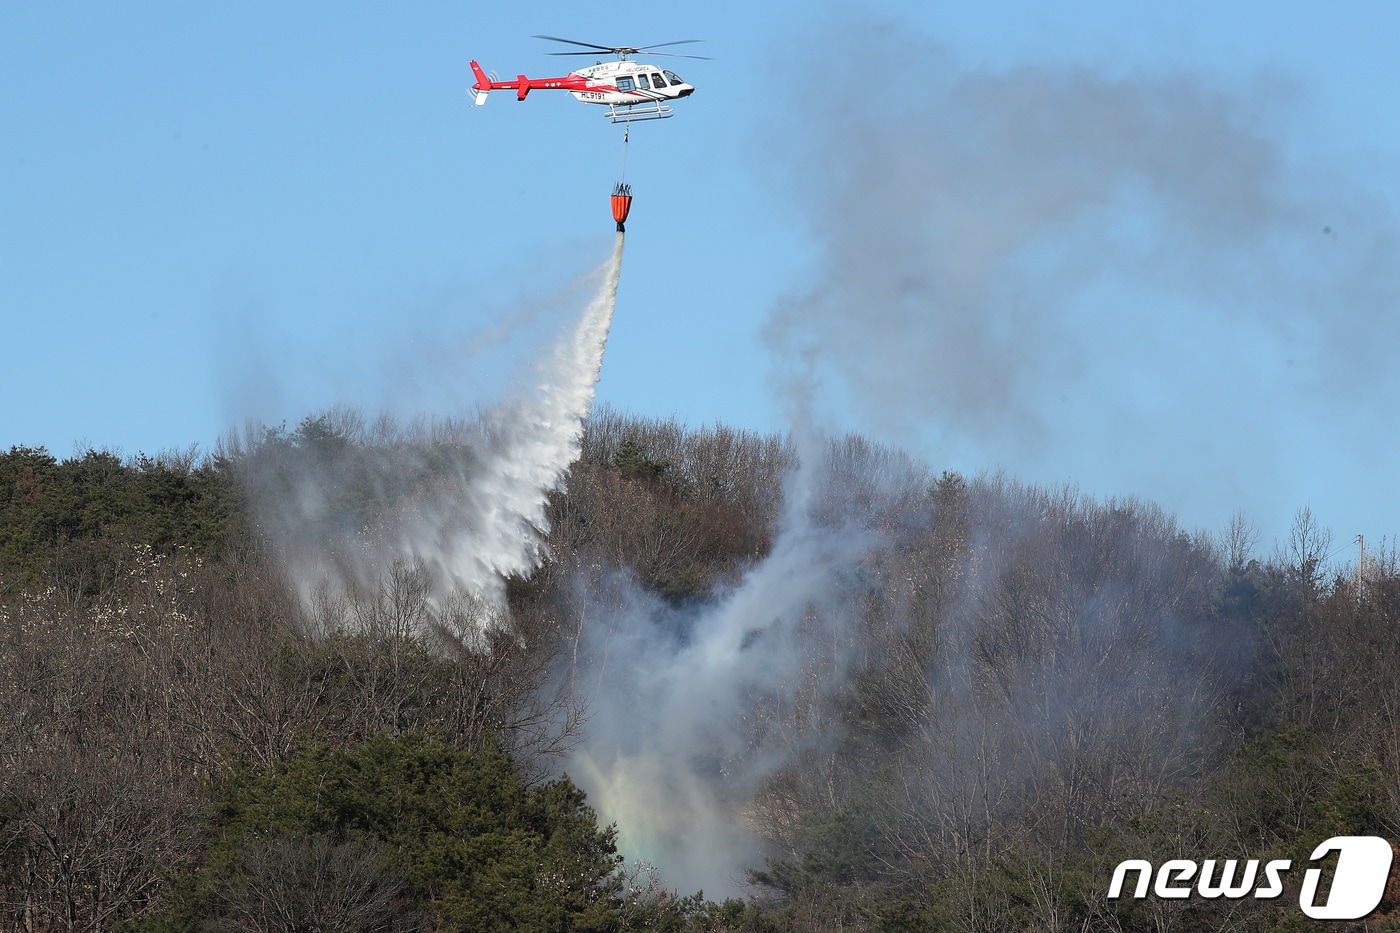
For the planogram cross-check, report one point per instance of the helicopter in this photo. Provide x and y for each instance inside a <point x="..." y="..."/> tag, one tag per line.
<point x="631" y="90"/>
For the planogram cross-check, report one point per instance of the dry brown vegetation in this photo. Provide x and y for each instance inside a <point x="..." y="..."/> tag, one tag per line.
<point x="1024" y="685"/>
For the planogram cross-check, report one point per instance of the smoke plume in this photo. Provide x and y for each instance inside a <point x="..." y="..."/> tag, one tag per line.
<point x="692" y="708"/>
<point x="1135" y="280"/>
<point x="1072" y="272"/>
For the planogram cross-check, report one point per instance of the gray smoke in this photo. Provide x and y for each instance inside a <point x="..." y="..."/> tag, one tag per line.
<point x="1130" y="280"/>
<point x="1123" y="279"/>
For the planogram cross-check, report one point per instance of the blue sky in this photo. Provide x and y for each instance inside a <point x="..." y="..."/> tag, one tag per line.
<point x="220" y="211"/>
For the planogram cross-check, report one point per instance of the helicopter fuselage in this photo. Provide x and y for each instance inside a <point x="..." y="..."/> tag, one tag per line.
<point x="636" y="87"/>
<point x="629" y="83"/>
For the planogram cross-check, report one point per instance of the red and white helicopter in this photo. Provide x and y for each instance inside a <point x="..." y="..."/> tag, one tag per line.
<point x="631" y="90"/>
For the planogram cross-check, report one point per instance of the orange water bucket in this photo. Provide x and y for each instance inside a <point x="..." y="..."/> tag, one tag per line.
<point x="621" y="204"/>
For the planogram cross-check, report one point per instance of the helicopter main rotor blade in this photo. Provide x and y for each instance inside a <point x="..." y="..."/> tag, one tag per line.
<point x="605" y="48"/>
<point x="703" y="58"/>
<point x="626" y="50"/>
<point x="663" y="44"/>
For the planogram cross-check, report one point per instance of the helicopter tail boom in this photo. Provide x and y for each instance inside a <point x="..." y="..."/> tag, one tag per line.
<point x="522" y="85"/>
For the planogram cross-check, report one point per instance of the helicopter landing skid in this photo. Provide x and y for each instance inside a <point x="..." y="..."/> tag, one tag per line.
<point x="637" y="113"/>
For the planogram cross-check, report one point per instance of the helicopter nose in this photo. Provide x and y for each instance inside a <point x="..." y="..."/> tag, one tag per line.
<point x="686" y="91"/>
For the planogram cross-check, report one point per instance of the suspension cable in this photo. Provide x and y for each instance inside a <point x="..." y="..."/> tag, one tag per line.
<point x="626" y="131"/>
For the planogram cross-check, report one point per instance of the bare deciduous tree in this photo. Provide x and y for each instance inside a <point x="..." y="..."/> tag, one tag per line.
<point x="314" y="883"/>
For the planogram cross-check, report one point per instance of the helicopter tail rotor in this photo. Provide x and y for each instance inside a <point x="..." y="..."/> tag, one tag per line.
<point x="482" y="87"/>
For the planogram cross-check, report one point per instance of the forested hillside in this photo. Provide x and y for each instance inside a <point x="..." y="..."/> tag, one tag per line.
<point x="1004" y="693"/>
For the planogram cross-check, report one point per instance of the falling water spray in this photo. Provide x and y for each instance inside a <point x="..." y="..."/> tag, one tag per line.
<point x="476" y="514"/>
<point x="531" y="445"/>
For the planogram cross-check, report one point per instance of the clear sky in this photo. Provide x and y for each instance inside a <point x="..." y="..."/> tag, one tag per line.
<point x="1148" y="248"/>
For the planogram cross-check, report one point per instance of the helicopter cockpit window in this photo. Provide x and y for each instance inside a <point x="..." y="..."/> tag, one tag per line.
<point x="642" y="83"/>
<point x="672" y="77"/>
<point x="656" y="80"/>
<point x="624" y="84"/>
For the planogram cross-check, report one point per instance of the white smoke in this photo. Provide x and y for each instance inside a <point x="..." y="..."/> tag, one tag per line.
<point x="691" y="710"/>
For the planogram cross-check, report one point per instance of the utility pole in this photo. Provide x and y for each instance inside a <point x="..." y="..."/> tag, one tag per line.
<point x="1360" y="564"/>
